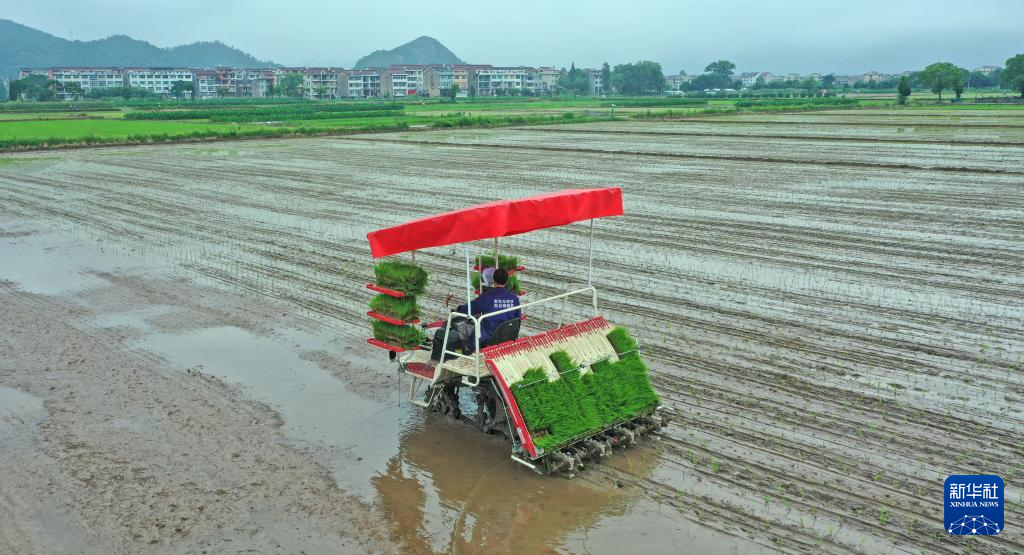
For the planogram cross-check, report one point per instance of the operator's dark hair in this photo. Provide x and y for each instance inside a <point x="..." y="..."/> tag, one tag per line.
<point x="500" y="276"/>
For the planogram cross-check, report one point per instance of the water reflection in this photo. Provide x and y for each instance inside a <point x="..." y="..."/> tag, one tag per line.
<point x="452" y="489"/>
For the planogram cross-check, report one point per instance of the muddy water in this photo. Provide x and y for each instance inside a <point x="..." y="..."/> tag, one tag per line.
<point x="450" y="490"/>
<point x="440" y="485"/>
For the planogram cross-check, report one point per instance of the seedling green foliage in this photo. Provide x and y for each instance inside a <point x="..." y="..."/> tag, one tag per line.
<point x="513" y="284"/>
<point x="506" y="262"/>
<point x="401" y="276"/>
<point x="574" y="405"/>
<point x="407" y="337"/>
<point x="257" y="114"/>
<point x="402" y="308"/>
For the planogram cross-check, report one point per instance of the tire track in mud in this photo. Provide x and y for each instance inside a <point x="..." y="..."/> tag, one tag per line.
<point x="780" y="373"/>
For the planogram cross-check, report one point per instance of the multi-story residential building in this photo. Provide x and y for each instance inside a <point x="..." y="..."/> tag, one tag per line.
<point x="438" y="81"/>
<point x="364" y="83"/>
<point x="157" y="80"/>
<point x="504" y="79"/>
<point x="750" y="78"/>
<point x="320" y="82"/>
<point x="407" y="80"/>
<point x="206" y="83"/>
<point x="595" y="85"/>
<point x="27" y="71"/>
<point x="547" y="78"/>
<point x="253" y="83"/>
<point x="88" y="78"/>
<point x="465" y="76"/>
<point x="676" y="81"/>
<point x="874" y="77"/>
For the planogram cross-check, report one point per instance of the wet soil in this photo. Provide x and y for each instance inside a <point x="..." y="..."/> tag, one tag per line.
<point x="826" y="319"/>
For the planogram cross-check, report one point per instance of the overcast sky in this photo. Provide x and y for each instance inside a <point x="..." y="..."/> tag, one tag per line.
<point x="780" y="36"/>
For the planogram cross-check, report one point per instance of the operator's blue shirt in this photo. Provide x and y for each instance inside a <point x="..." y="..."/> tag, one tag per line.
<point x="498" y="298"/>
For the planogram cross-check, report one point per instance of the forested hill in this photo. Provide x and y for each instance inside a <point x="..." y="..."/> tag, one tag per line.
<point x="424" y="50"/>
<point x="22" y="46"/>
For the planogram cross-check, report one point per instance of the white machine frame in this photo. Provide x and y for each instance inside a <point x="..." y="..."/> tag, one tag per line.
<point x="472" y="379"/>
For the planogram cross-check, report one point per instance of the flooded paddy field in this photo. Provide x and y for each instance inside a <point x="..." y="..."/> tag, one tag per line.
<point x="836" y="325"/>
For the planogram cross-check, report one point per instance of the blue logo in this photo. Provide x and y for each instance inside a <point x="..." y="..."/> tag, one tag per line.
<point x="974" y="505"/>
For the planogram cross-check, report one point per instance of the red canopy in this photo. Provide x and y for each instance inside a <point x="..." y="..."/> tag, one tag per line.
<point x="497" y="219"/>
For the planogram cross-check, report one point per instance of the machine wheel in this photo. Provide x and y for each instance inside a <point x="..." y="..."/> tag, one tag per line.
<point x="446" y="401"/>
<point x="491" y="417"/>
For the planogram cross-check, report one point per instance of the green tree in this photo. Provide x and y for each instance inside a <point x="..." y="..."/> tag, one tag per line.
<point x="606" y="77"/>
<point x="759" y="83"/>
<point x="828" y="81"/>
<point x="320" y="91"/>
<point x="903" y="89"/>
<point x="643" y="77"/>
<point x="453" y="91"/>
<point x="1013" y="75"/>
<point x="721" y="67"/>
<point x="290" y="84"/>
<point x="74" y="89"/>
<point x="4" y="84"/>
<point x="940" y="76"/>
<point x="809" y="84"/>
<point x="178" y="88"/>
<point x="575" y="81"/>
<point x="34" y="87"/>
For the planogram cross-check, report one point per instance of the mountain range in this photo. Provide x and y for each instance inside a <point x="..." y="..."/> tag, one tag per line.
<point x="22" y="46"/>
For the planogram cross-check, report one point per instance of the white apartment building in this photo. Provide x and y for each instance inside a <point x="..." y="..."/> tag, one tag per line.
<point x="364" y="83"/>
<point x="89" y="78"/>
<point x="490" y="81"/>
<point x="750" y="78"/>
<point x="407" y="80"/>
<point x="157" y="80"/>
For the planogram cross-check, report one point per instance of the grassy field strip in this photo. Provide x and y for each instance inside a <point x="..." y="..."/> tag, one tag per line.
<point x="810" y="323"/>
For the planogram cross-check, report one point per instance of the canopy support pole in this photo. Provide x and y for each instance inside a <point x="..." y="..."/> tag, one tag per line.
<point x="590" y="263"/>
<point x="496" y="265"/>
<point x="469" y="287"/>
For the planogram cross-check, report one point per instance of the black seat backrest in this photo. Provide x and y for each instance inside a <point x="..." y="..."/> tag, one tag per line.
<point x="506" y="331"/>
